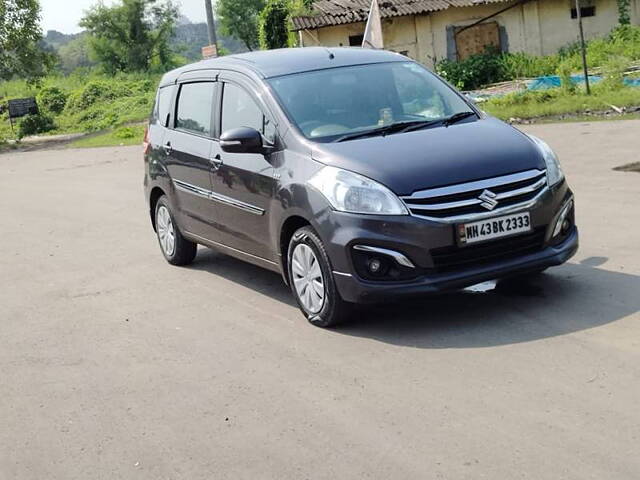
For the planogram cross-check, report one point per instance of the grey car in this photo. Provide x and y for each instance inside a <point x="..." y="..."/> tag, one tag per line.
<point x="358" y="175"/>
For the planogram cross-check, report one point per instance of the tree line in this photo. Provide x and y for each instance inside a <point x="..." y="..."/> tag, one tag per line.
<point x="135" y="35"/>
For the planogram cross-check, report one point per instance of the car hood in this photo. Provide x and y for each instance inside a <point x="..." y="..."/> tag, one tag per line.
<point x="407" y="162"/>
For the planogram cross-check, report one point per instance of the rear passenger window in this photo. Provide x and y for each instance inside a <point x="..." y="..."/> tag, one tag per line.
<point x="163" y="105"/>
<point x="240" y="110"/>
<point x="195" y="104"/>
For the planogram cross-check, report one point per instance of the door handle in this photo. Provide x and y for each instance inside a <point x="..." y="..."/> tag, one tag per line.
<point x="168" y="148"/>
<point x="216" y="161"/>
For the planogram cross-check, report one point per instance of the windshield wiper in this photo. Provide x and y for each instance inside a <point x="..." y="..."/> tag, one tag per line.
<point x="394" y="127"/>
<point x="456" y="117"/>
<point x="401" y="127"/>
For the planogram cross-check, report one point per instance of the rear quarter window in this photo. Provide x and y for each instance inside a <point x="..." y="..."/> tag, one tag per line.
<point x="162" y="107"/>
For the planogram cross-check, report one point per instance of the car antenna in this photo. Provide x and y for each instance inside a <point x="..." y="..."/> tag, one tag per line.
<point x="331" y="55"/>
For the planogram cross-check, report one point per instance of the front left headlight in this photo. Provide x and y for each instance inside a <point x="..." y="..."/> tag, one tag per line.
<point x="554" y="171"/>
<point x="349" y="192"/>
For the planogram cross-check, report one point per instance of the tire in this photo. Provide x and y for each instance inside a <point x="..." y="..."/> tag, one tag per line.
<point x="176" y="249"/>
<point x="305" y="254"/>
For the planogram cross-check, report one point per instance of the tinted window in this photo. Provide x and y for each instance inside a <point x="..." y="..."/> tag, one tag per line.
<point x="240" y="110"/>
<point x="163" y="105"/>
<point x="327" y="104"/>
<point x="195" y="105"/>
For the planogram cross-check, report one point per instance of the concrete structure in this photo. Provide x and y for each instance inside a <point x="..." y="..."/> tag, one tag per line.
<point x="430" y="30"/>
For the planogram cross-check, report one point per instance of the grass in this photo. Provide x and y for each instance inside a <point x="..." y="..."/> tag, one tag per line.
<point x="129" y="135"/>
<point x="94" y="102"/>
<point x="557" y="102"/>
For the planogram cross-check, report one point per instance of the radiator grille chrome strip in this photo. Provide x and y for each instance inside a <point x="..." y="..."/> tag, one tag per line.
<point x="476" y="185"/>
<point x="462" y="202"/>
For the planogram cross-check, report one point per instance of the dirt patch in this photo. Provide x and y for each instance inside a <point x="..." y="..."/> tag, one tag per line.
<point x="629" y="167"/>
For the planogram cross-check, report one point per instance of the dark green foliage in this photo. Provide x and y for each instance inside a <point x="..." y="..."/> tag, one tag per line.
<point x="33" y="124"/>
<point x="239" y="18"/>
<point x="132" y="35"/>
<point x="274" y="19"/>
<point x="21" y="54"/>
<point x="52" y="99"/>
<point x="623" y="12"/>
<point x="473" y="72"/>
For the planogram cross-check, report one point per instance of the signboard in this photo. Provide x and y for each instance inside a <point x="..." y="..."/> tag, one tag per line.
<point x="210" y="51"/>
<point x="19" y="107"/>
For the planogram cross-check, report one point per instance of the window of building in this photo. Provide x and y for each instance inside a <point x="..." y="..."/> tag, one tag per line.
<point x="239" y="109"/>
<point x="356" y="40"/>
<point x="195" y="104"/>
<point x="587" y="9"/>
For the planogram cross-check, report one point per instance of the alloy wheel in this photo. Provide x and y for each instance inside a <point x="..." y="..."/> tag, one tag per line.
<point x="166" y="231"/>
<point x="307" y="278"/>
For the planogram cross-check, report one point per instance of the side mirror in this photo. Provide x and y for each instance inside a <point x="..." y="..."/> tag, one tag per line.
<point x="242" y="140"/>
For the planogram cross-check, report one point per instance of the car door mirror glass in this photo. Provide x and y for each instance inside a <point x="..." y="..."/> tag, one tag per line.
<point x="242" y="140"/>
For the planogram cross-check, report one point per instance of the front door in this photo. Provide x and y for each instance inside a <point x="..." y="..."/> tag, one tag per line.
<point x="188" y="147"/>
<point x="243" y="183"/>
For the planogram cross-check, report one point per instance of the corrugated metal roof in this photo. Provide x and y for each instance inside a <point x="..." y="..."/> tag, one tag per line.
<point x="339" y="12"/>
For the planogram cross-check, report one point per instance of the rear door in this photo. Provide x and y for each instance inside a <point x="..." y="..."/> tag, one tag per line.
<point x="188" y="148"/>
<point x="243" y="183"/>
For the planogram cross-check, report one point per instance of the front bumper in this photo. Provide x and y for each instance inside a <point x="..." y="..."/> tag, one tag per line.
<point x="421" y="239"/>
<point x="354" y="289"/>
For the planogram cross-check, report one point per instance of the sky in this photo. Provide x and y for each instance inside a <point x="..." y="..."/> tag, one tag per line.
<point x="64" y="15"/>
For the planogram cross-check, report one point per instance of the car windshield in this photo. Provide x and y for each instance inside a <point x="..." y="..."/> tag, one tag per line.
<point x="329" y="105"/>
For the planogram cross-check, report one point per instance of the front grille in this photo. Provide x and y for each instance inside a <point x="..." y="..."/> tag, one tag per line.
<point x="463" y="198"/>
<point x="447" y="259"/>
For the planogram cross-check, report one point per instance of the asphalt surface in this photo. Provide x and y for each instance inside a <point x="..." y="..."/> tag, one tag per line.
<point x="115" y="365"/>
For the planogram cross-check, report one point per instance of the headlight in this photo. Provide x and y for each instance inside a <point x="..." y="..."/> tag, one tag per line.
<point x="554" y="171"/>
<point x="349" y="192"/>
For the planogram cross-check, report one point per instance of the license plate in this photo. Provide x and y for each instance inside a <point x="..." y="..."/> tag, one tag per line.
<point x="493" y="228"/>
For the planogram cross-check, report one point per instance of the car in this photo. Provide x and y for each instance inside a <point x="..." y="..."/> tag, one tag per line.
<point x="358" y="175"/>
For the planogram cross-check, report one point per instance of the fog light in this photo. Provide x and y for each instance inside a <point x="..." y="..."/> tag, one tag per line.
<point x="563" y="224"/>
<point x="374" y="265"/>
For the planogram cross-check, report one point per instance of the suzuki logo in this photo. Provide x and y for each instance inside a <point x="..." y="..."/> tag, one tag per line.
<point x="488" y="199"/>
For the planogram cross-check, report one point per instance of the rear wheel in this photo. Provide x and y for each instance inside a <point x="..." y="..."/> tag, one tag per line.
<point x="312" y="282"/>
<point x="175" y="248"/>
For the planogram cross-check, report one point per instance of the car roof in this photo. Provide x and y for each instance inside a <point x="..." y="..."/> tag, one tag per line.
<point x="286" y="61"/>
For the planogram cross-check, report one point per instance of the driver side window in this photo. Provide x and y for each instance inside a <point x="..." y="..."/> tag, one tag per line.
<point x="239" y="109"/>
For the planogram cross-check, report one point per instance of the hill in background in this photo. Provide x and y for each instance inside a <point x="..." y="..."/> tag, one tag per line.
<point x="187" y="41"/>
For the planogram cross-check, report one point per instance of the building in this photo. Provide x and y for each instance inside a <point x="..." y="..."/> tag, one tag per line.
<point x="431" y="30"/>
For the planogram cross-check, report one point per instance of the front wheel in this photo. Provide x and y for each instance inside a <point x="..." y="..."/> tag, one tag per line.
<point x="312" y="282"/>
<point x="175" y="248"/>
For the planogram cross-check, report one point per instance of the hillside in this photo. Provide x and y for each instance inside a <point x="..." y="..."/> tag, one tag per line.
<point x="187" y="41"/>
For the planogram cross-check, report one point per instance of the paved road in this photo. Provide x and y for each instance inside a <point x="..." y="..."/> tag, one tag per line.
<point x="115" y="365"/>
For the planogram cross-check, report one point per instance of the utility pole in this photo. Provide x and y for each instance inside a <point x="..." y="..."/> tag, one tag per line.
<point x="583" y="47"/>
<point x="211" y="25"/>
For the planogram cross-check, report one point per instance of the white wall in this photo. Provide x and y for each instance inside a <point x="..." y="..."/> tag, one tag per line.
<point x="539" y="27"/>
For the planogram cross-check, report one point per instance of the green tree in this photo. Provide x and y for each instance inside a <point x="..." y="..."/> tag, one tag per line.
<point x="74" y="54"/>
<point x="239" y="18"/>
<point x="274" y="20"/>
<point x="132" y="35"/>
<point x="21" y="53"/>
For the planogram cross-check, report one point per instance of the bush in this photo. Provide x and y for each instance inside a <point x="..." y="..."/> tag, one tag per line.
<point x="126" y="132"/>
<point x="52" y="99"/>
<point x="564" y="72"/>
<point x="613" y="73"/>
<point x="33" y="124"/>
<point x="473" y="72"/>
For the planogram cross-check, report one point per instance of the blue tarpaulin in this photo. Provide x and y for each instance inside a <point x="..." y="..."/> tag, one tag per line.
<point x="553" y="81"/>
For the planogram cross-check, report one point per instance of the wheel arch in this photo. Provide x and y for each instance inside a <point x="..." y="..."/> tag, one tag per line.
<point x="289" y="227"/>
<point x="154" y="196"/>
